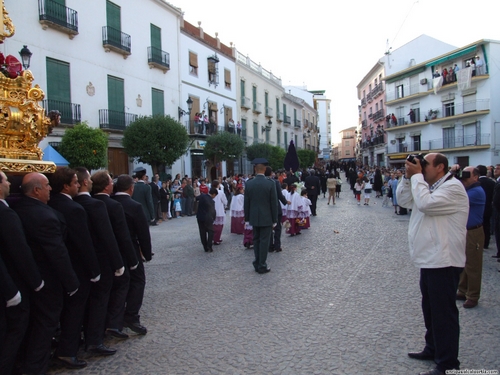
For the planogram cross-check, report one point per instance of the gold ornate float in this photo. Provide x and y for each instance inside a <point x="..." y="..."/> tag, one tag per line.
<point x="23" y="123"/>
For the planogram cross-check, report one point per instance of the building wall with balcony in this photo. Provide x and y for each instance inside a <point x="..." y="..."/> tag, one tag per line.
<point x="347" y="145"/>
<point x="454" y="119"/>
<point x="323" y="107"/>
<point x="89" y="63"/>
<point x="252" y="111"/>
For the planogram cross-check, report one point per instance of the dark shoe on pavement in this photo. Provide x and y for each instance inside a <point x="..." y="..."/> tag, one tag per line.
<point x="271" y="249"/>
<point x="71" y="362"/>
<point x="137" y="328"/>
<point x="469" y="304"/>
<point x="264" y="270"/>
<point x="434" y="371"/>
<point x="461" y="297"/>
<point x="100" y="350"/>
<point x="278" y="250"/>
<point x="421" y="355"/>
<point x="115" y="332"/>
<point x="495" y="256"/>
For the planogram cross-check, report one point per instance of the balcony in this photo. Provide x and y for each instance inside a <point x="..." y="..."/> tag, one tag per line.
<point x="379" y="89"/>
<point x="379" y="115"/>
<point x="287" y="120"/>
<point x="115" y="120"/>
<point x="246" y="102"/>
<point x="279" y="116"/>
<point x="158" y="59"/>
<point x="363" y="102"/>
<point x="70" y="112"/>
<point x="116" y="41"/>
<point x="58" y="17"/>
<point x="364" y="123"/>
<point x="269" y="112"/>
<point x="257" y="107"/>
<point x="296" y="123"/>
<point x="468" y="141"/>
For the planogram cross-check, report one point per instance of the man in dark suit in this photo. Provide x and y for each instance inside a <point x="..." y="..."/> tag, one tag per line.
<point x="10" y="297"/>
<point x="141" y="238"/>
<point x="261" y="211"/>
<point x="21" y="267"/>
<point x="110" y="263"/>
<point x="488" y="186"/>
<point x="155" y="196"/>
<point x="42" y="228"/>
<point x="496" y="209"/>
<point x="275" y="244"/>
<point x="206" y="217"/>
<point x="102" y="188"/>
<point x="142" y="194"/>
<point x="313" y="187"/>
<point x="81" y="250"/>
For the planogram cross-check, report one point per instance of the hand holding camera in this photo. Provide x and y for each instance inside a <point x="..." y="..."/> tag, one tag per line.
<point x="414" y="164"/>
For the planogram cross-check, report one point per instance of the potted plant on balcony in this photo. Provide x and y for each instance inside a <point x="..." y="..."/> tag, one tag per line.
<point x="433" y="113"/>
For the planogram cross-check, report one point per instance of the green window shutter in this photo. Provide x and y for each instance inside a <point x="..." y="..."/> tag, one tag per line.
<point x="116" y="94"/>
<point x="242" y="88"/>
<point x="266" y="101"/>
<point x="155" y="37"/>
<point x="58" y="81"/>
<point x="244" y="127"/>
<point x="284" y="111"/>
<point x="158" y="100"/>
<point x="254" y="93"/>
<point x="255" y="132"/>
<point x="278" y="137"/>
<point x="285" y="138"/>
<point x="113" y="18"/>
<point x="62" y="2"/>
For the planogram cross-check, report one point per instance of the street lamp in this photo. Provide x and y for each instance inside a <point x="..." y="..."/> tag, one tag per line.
<point x="25" y="57"/>
<point x="190" y="107"/>
<point x="267" y="127"/>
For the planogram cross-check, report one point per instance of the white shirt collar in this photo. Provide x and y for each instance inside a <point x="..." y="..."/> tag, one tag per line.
<point x="4" y="202"/>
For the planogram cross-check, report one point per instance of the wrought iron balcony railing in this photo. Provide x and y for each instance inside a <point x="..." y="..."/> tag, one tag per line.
<point x="158" y="59"/>
<point x="70" y="112"/>
<point x="116" y="40"/>
<point x="55" y="15"/>
<point x="115" y="120"/>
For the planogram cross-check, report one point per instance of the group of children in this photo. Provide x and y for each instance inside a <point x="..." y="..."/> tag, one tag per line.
<point x="295" y="216"/>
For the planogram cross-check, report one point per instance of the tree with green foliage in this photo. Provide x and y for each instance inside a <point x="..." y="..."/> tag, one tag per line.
<point x="307" y="158"/>
<point x="274" y="154"/>
<point x="84" y="146"/>
<point x="155" y="140"/>
<point x="223" y="146"/>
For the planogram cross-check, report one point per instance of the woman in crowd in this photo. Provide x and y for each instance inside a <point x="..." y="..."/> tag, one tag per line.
<point x="377" y="183"/>
<point x="331" y="184"/>
<point x="164" y="200"/>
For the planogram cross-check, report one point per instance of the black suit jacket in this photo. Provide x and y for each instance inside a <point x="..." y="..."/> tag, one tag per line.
<point x="101" y="231"/>
<point x="206" y="208"/>
<point x="138" y="225"/>
<point x="16" y="253"/>
<point x="8" y="289"/>
<point x="42" y="229"/>
<point x="78" y="241"/>
<point x="281" y="197"/>
<point x="155" y="192"/>
<point x="496" y="197"/>
<point x="313" y="185"/>
<point x="120" y="229"/>
<point x="488" y="186"/>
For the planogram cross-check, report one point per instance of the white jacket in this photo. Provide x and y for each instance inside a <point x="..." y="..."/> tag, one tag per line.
<point x="438" y="222"/>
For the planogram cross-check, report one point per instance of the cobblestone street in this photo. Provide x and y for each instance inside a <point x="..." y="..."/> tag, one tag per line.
<point x="343" y="298"/>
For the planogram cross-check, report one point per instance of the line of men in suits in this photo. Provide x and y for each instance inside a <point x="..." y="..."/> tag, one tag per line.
<point x="74" y="256"/>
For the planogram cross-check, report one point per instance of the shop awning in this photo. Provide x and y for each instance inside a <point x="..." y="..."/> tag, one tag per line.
<point x="398" y="156"/>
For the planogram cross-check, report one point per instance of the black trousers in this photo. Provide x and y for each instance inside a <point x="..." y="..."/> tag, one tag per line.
<point x="97" y="306"/>
<point x="314" y="199"/>
<point x="497" y="231"/>
<point x="135" y="293"/>
<point x="276" y="237"/>
<point x="45" y="309"/>
<point x="439" y="289"/>
<point x="16" y="319"/>
<point x="261" y="240"/>
<point x="487" y="228"/>
<point x="206" y="229"/>
<point x="117" y="300"/>
<point x="71" y="321"/>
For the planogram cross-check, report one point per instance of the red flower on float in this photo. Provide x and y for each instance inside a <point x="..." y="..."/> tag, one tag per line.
<point x="14" y="67"/>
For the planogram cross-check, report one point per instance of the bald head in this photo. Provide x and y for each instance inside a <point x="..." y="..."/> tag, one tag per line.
<point x="36" y="185"/>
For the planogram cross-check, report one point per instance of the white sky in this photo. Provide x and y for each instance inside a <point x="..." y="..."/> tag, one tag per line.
<point x="330" y="44"/>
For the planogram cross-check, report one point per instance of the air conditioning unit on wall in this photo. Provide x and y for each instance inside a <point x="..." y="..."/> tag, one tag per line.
<point x="423" y="81"/>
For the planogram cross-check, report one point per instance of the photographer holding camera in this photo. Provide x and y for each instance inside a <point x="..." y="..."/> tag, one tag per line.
<point x="436" y="236"/>
<point x="469" y="287"/>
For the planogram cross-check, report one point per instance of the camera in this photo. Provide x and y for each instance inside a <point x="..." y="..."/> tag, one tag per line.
<point x="460" y="174"/>
<point x="420" y="157"/>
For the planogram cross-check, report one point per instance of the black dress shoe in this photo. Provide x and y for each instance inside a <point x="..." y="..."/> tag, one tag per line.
<point x="116" y="333"/>
<point x="495" y="256"/>
<point x="278" y="250"/>
<point x="434" y="371"/>
<point x="264" y="270"/>
<point x="71" y="362"/>
<point x="137" y="327"/>
<point x="271" y="249"/>
<point x="421" y="355"/>
<point x="100" y="350"/>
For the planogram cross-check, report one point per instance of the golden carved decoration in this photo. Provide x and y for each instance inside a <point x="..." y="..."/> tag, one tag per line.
<point x="26" y="166"/>
<point x="5" y="24"/>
